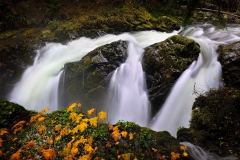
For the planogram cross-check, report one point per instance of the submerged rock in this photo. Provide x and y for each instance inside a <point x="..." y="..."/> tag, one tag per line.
<point x="164" y="62"/>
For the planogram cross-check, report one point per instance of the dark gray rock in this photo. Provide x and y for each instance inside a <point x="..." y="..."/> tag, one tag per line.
<point x="230" y="60"/>
<point x="164" y="62"/>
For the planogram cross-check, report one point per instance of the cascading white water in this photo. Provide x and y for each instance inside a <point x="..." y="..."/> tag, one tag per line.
<point x="38" y="87"/>
<point x="205" y="73"/>
<point x="200" y="154"/>
<point x="128" y="97"/>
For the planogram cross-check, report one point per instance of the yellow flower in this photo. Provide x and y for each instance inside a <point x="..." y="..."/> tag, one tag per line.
<point x="57" y="128"/>
<point x="73" y="116"/>
<point x="74" y="130"/>
<point x="183" y="148"/>
<point x="44" y="110"/>
<point x="124" y="134"/>
<point x="70" y="108"/>
<point x="82" y="126"/>
<point x="126" y="156"/>
<point x="115" y="135"/>
<point x="88" y="148"/>
<point x="116" y="143"/>
<point x="74" y="151"/>
<point x="64" y="131"/>
<point x="50" y="141"/>
<point x="154" y="149"/>
<point x="41" y="119"/>
<point x="185" y="154"/>
<point x="93" y="121"/>
<point x="102" y="115"/>
<point x="90" y="140"/>
<point x="130" y="135"/>
<point x="118" y="156"/>
<point x="85" y="157"/>
<point x="58" y="138"/>
<point x="79" y="105"/>
<point x="79" y="118"/>
<point x="82" y="140"/>
<point x="41" y="129"/>
<point x="91" y="111"/>
<point x="175" y="156"/>
<point x="110" y="127"/>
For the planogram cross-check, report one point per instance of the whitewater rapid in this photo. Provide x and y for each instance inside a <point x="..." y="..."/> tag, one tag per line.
<point x="39" y="85"/>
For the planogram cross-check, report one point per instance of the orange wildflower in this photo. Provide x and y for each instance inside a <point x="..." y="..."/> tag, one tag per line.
<point x="41" y="129"/>
<point x="1" y="142"/>
<point x="102" y="115"/>
<point x="19" y="124"/>
<point x="41" y="119"/>
<point x="31" y="144"/>
<point x="16" y="156"/>
<point x="44" y="110"/>
<point x="124" y="134"/>
<point x="91" y="111"/>
<point x="3" y="131"/>
<point x="48" y="154"/>
<point x="93" y="121"/>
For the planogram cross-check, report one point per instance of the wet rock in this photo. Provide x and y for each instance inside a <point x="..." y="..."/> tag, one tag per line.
<point x="163" y="63"/>
<point x="86" y="81"/>
<point x="230" y="60"/>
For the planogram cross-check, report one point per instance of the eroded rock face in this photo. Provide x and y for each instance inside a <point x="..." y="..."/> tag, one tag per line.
<point x="230" y="60"/>
<point x="164" y="62"/>
<point x="86" y="81"/>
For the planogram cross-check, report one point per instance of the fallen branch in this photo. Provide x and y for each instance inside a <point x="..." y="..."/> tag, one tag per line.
<point x="213" y="10"/>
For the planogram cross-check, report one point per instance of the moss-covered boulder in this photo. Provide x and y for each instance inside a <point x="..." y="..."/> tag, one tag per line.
<point x="215" y="122"/>
<point x="11" y="113"/>
<point x="86" y="81"/>
<point x="230" y="60"/>
<point x="164" y="62"/>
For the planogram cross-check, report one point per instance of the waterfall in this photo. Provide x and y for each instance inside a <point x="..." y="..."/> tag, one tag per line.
<point x="128" y="97"/>
<point x="38" y="86"/>
<point x="199" y="154"/>
<point x="203" y="74"/>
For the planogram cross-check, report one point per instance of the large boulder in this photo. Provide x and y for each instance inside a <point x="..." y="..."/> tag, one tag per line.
<point x="164" y="62"/>
<point x="215" y="122"/>
<point x="230" y="60"/>
<point x="86" y="81"/>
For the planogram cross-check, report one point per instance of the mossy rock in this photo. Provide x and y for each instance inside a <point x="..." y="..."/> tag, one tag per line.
<point x="11" y="113"/>
<point x="164" y="62"/>
<point x="86" y="81"/>
<point x="216" y="114"/>
<point x="230" y="60"/>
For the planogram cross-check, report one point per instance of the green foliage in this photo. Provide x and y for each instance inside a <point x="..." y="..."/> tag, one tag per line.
<point x="11" y="113"/>
<point x="217" y="113"/>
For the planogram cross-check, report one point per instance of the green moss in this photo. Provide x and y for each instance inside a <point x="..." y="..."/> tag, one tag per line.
<point x="11" y="113"/>
<point x="217" y="113"/>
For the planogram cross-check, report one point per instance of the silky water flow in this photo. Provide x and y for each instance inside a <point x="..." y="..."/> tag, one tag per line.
<point x="128" y="100"/>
